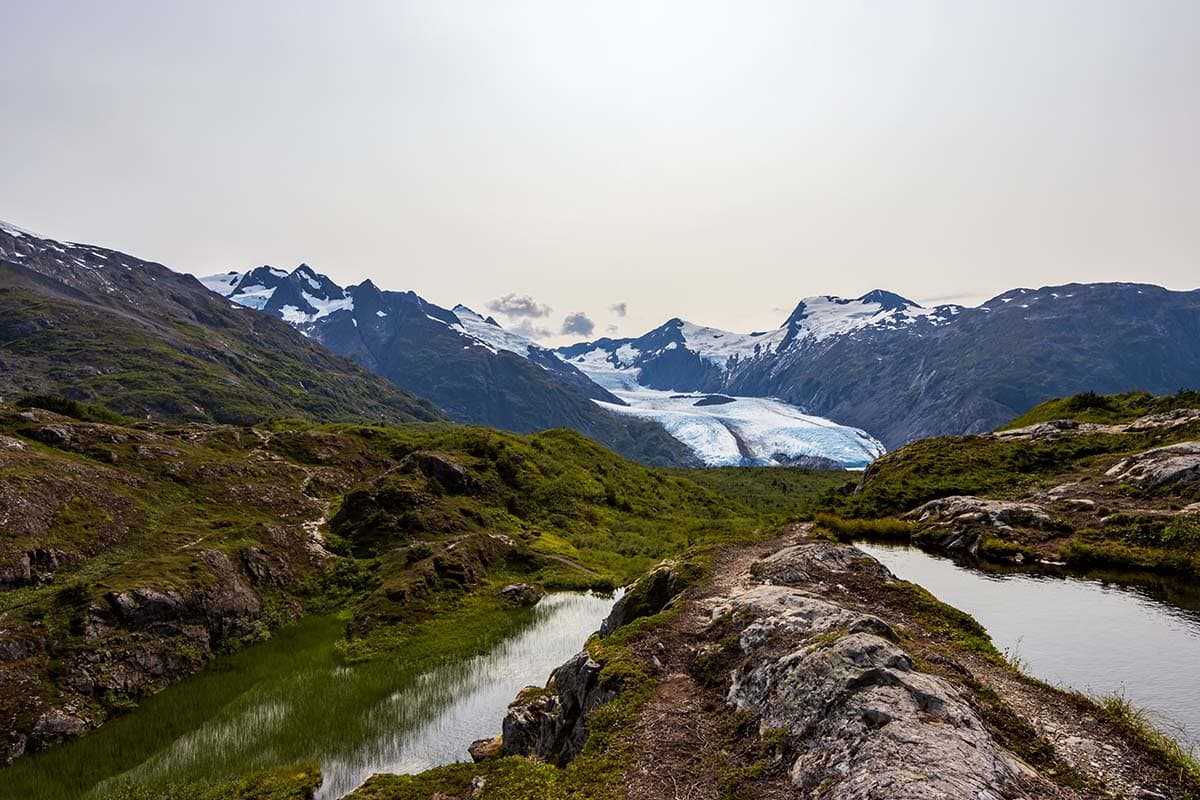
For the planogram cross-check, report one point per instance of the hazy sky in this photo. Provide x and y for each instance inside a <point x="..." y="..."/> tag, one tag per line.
<point x="617" y="162"/>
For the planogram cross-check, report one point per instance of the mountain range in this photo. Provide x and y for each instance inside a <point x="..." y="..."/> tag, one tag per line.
<point x="838" y="383"/>
<point x="479" y="372"/>
<point x="885" y="368"/>
<point x="904" y="372"/>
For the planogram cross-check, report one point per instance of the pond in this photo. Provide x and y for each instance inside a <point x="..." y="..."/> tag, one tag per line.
<point x="289" y="699"/>
<point x="1097" y="633"/>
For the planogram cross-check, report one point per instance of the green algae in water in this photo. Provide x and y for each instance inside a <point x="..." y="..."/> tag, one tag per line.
<point x="289" y="699"/>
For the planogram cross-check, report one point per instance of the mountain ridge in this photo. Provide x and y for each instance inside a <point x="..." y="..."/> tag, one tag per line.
<point x="903" y="372"/>
<point x="97" y="325"/>
<point x="465" y="365"/>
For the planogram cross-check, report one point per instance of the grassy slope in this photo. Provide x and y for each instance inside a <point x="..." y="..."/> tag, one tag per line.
<point x="1104" y="409"/>
<point x="1128" y="527"/>
<point x="226" y="366"/>
<point x="135" y="506"/>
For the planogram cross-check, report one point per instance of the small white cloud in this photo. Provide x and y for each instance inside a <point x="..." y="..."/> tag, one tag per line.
<point x="620" y="309"/>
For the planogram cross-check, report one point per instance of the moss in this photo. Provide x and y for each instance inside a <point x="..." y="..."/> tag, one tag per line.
<point x="944" y="623"/>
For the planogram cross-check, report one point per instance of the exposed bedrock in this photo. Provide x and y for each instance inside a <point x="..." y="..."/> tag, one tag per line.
<point x="866" y="722"/>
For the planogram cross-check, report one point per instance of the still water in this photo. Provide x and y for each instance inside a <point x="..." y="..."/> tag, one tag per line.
<point x="289" y="699"/>
<point x="1088" y="632"/>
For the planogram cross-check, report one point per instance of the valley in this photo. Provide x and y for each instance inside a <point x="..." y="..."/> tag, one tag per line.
<point x="559" y="400"/>
<point x="242" y="555"/>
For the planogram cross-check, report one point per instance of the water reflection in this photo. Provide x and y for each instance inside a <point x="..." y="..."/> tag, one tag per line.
<point x="375" y="717"/>
<point x="1084" y="632"/>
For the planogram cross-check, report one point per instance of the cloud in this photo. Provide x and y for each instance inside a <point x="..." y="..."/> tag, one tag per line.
<point x="611" y="329"/>
<point x="620" y="309"/>
<point x="527" y="329"/>
<point x="578" y="323"/>
<point x="518" y="305"/>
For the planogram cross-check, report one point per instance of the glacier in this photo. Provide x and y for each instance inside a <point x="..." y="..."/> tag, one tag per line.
<point x="734" y="431"/>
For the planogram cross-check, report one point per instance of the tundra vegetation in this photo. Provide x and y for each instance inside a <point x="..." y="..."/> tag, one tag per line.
<point x="137" y="552"/>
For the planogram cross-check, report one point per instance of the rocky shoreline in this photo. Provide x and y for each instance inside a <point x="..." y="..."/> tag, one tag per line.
<point x="802" y="668"/>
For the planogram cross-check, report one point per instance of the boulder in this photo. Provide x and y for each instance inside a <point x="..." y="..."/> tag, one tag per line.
<point x="483" y="749"/>
<point x="54" y="435"/>
<point x="649" y="595"/>
<point x="451" y="475"/>
<point x="521" y="594"/>
<point x="815" y="561"/>
<point x="1173" y="465"/>
<point x="962" y="510"/>
<point x="55" y="725"/>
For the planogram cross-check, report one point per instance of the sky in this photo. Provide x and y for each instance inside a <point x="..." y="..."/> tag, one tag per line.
<point x="588" y="169"/>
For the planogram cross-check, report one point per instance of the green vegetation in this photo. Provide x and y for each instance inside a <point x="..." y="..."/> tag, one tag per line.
<point x="224" y="365"/>
<point x="425" y="523"/>
<point x="85" y="412"/>
<point x="781" y="493"/>
<point x="1137" y="724"/>
<point x="1105" y="409"/>
<point x="297" y="782"/>
<point x="944" y="623"/>
<point x="848" y="530"/>
<point x="594" y="773"/>
<point x="1115" y="524"/>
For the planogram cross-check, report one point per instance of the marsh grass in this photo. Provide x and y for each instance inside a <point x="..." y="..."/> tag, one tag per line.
<point x="847" y="530"/>
<point x="1153" y="732"/>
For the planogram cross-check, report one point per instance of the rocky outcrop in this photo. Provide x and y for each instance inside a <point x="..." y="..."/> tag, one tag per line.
<point x="1059" y="428"/>
<point x="869" y="724"/>
<point x="139" y="641"/>
<point x="959" y="523"/>
<point x="449" y="474"/>
<point x="649" y="595"/>
<point x="1000" y="514"/>
<point x="807" y="462"/>
<point x="863" y="720"/>
<point x="33" y="567"/>
<point x="1173" y="465"/>
<point x="551" y="724"/>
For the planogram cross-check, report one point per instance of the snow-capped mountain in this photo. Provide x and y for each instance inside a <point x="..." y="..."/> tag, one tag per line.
<point x="887" y="365"/>
<point x="682" y="356"/>
<point x="471" y="367"/>
<point x="298" y="296"/>
<point x="303" y="297"/>
<point x="389" y="331"/>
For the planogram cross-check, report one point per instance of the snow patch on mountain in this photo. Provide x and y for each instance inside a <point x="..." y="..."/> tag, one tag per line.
<point x="324" y="307"/>
<point x="255" y="289"/>
<point x="222" y="284"/>
<point x="819" y="318"/>
<point x="13" y="230"/>
<point x="488" y="331"/>
<point x="255" y="296"/>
